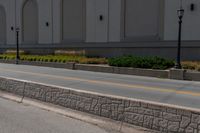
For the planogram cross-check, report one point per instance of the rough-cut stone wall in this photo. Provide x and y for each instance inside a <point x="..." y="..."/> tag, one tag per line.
<point x="159" y="117"/>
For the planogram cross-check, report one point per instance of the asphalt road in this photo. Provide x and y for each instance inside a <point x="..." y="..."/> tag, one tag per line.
<point x="18" y="118"/>
<point x="184" y="93"/>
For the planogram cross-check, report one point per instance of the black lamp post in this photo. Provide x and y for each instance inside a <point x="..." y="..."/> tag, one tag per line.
<point x="17" y="46"/>
<point x="180" y="13"/>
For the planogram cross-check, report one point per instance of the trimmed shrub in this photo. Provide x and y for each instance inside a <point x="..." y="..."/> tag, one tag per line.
<point x="141" y="62"/>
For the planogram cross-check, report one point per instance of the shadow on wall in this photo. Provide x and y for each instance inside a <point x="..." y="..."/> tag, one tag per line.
<point x="2" y="25"/>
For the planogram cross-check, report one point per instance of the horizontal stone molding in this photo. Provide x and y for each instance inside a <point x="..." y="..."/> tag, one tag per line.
<point x="151" y="115"/>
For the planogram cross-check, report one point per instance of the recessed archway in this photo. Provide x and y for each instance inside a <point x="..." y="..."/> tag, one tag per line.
<point x="2" y="25"/>
<point x="73" y="20"/>
<point x="30" y="22"/>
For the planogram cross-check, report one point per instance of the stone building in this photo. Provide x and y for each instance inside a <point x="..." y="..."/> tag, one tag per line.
<point x="100" y="27"/>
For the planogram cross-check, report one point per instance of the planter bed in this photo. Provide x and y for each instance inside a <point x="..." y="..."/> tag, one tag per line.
<point x="170" y="73"/>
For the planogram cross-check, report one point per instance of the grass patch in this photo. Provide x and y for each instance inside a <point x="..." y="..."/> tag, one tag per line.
<point x="191" y="65"/>
<point x="56" y="58"/>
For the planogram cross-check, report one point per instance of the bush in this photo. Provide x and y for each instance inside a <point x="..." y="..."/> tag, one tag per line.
<point x="5" y="57"/>
<point x="141" y="62"/>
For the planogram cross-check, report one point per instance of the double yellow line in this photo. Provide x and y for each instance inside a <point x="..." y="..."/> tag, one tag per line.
<point x="131" y="86"/>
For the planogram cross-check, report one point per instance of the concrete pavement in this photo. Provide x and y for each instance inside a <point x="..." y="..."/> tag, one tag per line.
<point x="183" y="93"/>
<point x="33" y="116"/>
<point x="18" y="118"/>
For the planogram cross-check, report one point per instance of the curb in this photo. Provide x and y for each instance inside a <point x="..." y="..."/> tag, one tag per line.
<point x="151" y="115"/>
<point x="178" y="74"/>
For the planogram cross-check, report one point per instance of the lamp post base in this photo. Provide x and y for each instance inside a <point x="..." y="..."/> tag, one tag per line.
<point x="178" y="66"/>
<point x="16" y="61"/>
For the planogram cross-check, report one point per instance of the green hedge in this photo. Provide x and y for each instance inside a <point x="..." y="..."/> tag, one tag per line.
<point x="141" y="62"/>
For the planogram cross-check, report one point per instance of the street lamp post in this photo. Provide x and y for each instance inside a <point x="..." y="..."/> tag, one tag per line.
<point x="180" y="13"/>
<point x="17" y="46"/>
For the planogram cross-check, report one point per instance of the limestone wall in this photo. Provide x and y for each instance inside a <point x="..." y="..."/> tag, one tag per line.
<point x="191" y="20"/>
<point x="123" y="20"/>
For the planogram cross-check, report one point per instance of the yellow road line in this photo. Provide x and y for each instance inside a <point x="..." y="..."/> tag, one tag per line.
<point x="165" y="90"/>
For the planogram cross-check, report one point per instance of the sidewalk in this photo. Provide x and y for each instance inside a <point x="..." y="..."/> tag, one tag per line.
<point x="33" y="116"/>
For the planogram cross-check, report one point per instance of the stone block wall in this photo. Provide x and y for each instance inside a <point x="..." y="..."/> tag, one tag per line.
<point x="163" y="118"/>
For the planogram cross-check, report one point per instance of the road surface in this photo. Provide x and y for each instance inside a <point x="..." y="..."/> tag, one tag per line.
<point x="183" y="93"/>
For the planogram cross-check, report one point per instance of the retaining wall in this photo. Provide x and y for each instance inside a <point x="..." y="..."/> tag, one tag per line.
<point x="156" y="116"/>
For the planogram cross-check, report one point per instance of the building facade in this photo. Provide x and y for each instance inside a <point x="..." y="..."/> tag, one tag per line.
<point x="101" y="27"/>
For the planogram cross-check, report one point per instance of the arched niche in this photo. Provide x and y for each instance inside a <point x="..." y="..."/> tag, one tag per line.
<point x="30" y="22"/>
